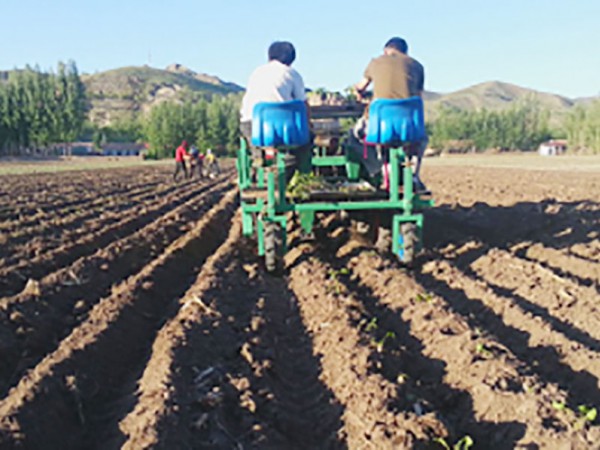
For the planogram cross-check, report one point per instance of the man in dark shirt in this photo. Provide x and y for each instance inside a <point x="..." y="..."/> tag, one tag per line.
<point x="394" y="75"/>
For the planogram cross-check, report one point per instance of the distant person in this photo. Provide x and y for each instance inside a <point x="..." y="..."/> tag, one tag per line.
<point x="212" y="165"/>
<point x="394" y="75"/>
<point x="180" y="157"/>
<point x="275" y="81"/>
<point x="195" y="162"/>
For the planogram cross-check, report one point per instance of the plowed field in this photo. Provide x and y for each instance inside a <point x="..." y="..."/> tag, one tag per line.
<point x="133" y="315"/>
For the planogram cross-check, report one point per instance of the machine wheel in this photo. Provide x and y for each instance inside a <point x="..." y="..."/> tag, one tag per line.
<point x="408" y="243"/>
<point x="273" y="247"/>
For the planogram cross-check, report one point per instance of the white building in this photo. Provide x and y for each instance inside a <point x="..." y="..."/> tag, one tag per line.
<point x="553" y="148"/>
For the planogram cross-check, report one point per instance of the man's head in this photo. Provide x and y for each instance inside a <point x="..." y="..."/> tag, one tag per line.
<point x="282" y="51"/>
<point x="184" y="143"/>
<point x="395" y="44"/>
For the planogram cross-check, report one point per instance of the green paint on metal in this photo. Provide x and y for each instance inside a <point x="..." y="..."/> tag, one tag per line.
<point x="260" y="232"/>
<point x="329" y="161"/>
<point x="247" y="223"/>
<point x="352" y="170"/>
<point x="307" y="220"/>
<point x="260" y="177"/>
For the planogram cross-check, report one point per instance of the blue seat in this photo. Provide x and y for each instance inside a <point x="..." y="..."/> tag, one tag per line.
<point x="282" y="124"/>
<point x="395" y="121"/>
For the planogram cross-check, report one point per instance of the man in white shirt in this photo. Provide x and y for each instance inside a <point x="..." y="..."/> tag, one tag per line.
<point x="275" y="81"/>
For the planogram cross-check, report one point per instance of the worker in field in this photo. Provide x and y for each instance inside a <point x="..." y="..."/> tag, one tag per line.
<point x="196" y="162"/>
<point x="394" y="75"/>
<point x="212" y="165"/>
<point x="181" y="155"/>
<point x="275" y="81"/>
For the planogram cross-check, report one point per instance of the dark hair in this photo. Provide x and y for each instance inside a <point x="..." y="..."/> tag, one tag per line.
<point x="398" y="44"/>
<point x="282" y="51"/>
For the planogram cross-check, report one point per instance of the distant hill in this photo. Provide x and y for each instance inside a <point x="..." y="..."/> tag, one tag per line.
<point x="496" y="95"/>
<point x="122" y="93"/>
<point x="127" y="91"/>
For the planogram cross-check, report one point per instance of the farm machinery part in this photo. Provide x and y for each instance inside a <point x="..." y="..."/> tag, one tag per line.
<point x="337" y="183"/>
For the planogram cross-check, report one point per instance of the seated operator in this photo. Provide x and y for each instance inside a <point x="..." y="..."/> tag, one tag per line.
<point x="394" y="75"/>
<point x="275" y="81"/>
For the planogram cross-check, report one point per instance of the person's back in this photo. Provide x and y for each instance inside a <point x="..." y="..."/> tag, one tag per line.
<point x="395" y="75"/>
<point x="275" y="81"/>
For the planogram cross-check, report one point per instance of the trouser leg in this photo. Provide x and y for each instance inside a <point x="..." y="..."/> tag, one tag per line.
<point x="177" y="170"/>
<point x="420" y="152"/>
<point x="371" y="164"/>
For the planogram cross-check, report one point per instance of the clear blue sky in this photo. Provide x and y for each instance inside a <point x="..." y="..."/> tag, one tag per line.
<point x="542" y="44"/>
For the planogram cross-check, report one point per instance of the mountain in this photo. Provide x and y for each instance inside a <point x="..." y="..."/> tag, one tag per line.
<point x="496" y="95"/>
<point x="122" y="93"/>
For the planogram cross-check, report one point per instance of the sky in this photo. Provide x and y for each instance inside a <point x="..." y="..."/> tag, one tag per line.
<point x="546" y="45"/>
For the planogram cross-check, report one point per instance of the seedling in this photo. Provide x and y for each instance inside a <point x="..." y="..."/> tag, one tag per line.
<point x="372" y="325"/>
<point x="463" y="444"/>
<point x="380" y="343"/>
<point x="588" y="413"/>
<point x="483" y="351"/>
<point x="334" y="276"/>
<point x="584" y="414"/>
<point x="424" y="297"/>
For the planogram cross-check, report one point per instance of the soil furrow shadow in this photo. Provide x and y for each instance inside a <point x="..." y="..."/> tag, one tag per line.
<point x="98" y="364"/>
<point x="15" y="277"/>
<point x="581" y="386"/>
<point x="568" y="330"/>
<point x="396" y="351"/>
<point x="261" y="360"/>
<point x="39" y="322"/>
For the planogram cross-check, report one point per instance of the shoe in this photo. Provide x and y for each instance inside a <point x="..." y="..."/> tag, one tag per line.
<point x="419" y="186"/>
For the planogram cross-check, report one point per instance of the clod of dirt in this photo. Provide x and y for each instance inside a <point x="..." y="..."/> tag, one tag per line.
<point x="16" y="316"/>
<point x="32" y="288"/>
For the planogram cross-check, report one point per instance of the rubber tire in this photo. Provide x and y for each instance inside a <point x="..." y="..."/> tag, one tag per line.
<point x="273" y="248"/>
<point x="411" y="238"/>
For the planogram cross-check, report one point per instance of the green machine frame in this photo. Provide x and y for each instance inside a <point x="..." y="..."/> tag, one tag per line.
<point x="265" y="207"/>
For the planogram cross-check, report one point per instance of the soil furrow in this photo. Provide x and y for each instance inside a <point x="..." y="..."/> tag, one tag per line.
<point x="565" y="264"/>
<point x="51" y="193"/>
<point x="547" y="353"/>
<point x="97" y="364"/>
<point x="15" y="277"/>
<point x="498" y="383"/>
<point x="382" y="410"/>
<point x="40" y="213"/>
<point x="95" y="201"/>
<point x="567" y="305"/>
<point x="434" y="344"/>
<point x="32" y="323"/>
<point x="248" y="350"/>
<point x="51" y="234"/>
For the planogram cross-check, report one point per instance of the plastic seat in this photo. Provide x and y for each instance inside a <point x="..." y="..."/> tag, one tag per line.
<point x="281" y="124"/>
<point x="395" y="121"/>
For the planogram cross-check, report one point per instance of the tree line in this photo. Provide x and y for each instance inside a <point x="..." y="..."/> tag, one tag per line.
<point x="207" y="123"/>
<point x="39" y="109"/>
<point x="522" y="127"/>
<point x="582" y="128"/>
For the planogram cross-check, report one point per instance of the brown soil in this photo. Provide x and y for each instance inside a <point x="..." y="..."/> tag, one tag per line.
<point x="182" y="340"/>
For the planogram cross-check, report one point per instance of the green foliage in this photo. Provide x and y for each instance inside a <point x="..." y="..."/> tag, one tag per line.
<point x="38" y="109"/>
<point x="578" y="419"/>
<point x="209" y="124"/>
<point x="522" y="127"/>
<point x="582" y="127"/>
